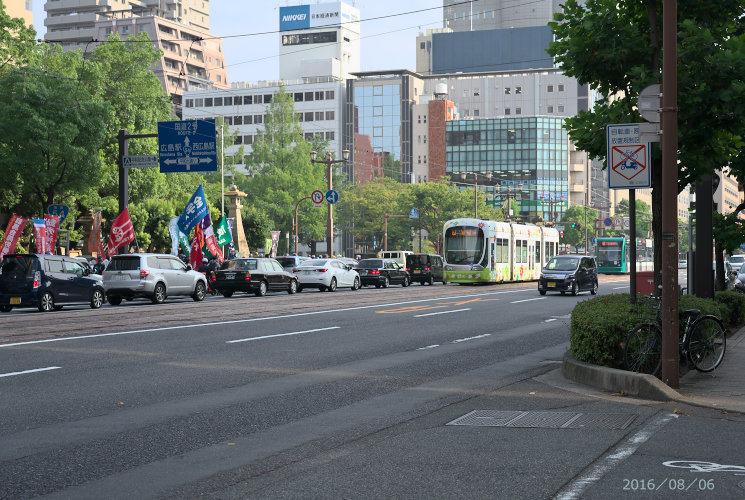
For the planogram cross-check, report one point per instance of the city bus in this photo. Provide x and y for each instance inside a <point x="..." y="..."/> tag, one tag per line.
<point x="612" y="255"/>
<point x="485" y="251"/>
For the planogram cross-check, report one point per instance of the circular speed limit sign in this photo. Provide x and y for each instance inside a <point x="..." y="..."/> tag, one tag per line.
<point x="317" y="197"/>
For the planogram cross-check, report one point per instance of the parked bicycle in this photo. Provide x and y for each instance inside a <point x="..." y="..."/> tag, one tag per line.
<point x="703" y="342"/>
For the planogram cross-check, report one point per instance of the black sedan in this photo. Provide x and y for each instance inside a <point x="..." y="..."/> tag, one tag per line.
<point x="257" y="275"/>
<point x="382" y="272"/>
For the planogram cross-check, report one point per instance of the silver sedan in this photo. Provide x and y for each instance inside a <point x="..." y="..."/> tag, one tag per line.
<point x="326" y="275"/>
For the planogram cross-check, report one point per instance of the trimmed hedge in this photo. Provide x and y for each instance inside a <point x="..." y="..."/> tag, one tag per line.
<point x="600" y="325"/>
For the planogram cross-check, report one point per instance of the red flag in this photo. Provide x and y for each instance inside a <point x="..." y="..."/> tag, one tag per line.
<point x="95" y="236"/>
<point x="40" y="235"/>
<point x="195" y="257"/>
<point x="122" y="231"/>
<point x="101" y="251"/>
<point x="12" y="233"/>
<point x="52" y="224"/>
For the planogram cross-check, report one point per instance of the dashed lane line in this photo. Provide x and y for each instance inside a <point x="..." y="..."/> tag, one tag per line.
<point x="30" y="371"/>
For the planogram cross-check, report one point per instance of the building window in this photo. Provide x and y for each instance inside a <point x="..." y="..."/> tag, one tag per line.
<point x="419" y="139"/>
<point x="507" y="91"/>
<point x="419" y="159"/>
<point x="258" y="119"/>
<point x="550" y="109"/>
<point x="561" y="87"/>
<point x="227" y="101"/>
<point x="238" y="139"/>
<point x="308" y="96"/>
<point x="465" y="92"/>
<point x="267" y="98"/>
<point x="199" y="102"/>
<point x="329" y="115"/>
<point x="248" y="139"/>
<point x="319" y="95"/>
<point x="319" y="116"/>
<point x="308" y="136"/>
<point x="425" y="139"/>
<point x="506" y="111"/>
<point x="238" y="120"/>
<point x="237" y="100"/>
<point x="425" y="159"/>
<point x="207" y="102"/>
<point x="190" y="103"/>
<point x="425" y="119"/>
<point x="229" y="120"/>
<point x="308" y="116"/>
<point x="475" y="112"/>
<point x="248" y="99"/>
<point x="518" y="111"/>
<point x="329" y="95"/>
<point x="377" y="110"/>
<point x="248" y="120"/>
<point x="330" y="136"/>
<point x="218" y="101"/>
<point x="550" y="88"/>
<point x="476" y="92"/>
<point x="561" y="108"/>
<point x="419" y="119"/>
<point x="518" y="90"/>
<point x="298" y="97"/>
<point x="421" y="45"/>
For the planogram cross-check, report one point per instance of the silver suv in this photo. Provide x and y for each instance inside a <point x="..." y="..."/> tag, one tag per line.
<point x="150" y="275"/>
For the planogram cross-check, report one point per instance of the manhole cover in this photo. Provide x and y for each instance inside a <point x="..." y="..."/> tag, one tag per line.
<point x="545" y="419"/>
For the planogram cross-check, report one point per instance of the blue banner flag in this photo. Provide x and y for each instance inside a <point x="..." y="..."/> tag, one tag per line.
<point x="194" y="212"/>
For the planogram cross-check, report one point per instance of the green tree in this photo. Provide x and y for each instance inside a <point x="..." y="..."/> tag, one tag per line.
<point x="643" y="216"/>
<point x="283" y="172"/>
<point x="617" y="50"/>
<point x="17" y="42"/>
<point x="256" y="225"/>
<point x="575" y="216"/>
<point x="730" y="234"/>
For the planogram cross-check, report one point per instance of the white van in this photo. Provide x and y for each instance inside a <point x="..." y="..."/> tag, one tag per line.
<point x="397" y="255"/>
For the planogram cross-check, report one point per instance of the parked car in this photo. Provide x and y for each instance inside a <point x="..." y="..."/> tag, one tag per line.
<point x="290" y="262"/>
<point x="737" y="260"/>
<point x="93" y="274"/>
<point x="425" y="268"/>
<point x="382" y="273"/>
<point x="683" y="264"/>
<point x="257" y="275"/>
<point x="153" y="276"/>
<point x="397" y="255"/>
<point x="569" y="273"/>
<point x="327" y="275"/>
<point x="48" y="282"/>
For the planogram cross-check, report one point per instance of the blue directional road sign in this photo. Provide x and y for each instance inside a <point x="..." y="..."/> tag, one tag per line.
<point x="187" y="146"/>
<point x="332" y="196"/>
<point x="60" y="211"/>
<point x="414" y="214"/>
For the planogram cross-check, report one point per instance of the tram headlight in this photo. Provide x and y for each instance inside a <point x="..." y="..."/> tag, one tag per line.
<point x="477" y="267"/>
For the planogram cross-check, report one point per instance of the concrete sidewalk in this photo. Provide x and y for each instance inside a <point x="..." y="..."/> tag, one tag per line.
<point x="724" y="388"/>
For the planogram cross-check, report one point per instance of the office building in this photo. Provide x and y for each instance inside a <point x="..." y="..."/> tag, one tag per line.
<point x="498" y="14"/>
<point x="20" y="9"/>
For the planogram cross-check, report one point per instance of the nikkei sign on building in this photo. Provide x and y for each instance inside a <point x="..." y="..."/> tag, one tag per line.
<point x="629" y="159"/>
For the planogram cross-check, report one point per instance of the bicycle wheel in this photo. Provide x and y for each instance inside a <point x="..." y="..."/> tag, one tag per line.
<point x="643" y="350"/>
<point x="706" y="344"/>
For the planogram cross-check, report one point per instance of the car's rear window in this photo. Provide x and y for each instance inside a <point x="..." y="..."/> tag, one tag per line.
<point x="370" y="264"/>
<point x="239" y="265"/>
<point x="417" y="260"/>
<point x="18" y="264"/>
<point x="315" y="262"/>
<point x="124" y="264"/>
<point x="286" y="261"/>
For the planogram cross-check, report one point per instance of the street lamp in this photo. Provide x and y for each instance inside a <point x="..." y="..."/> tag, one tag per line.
<point x="329" y="161"/>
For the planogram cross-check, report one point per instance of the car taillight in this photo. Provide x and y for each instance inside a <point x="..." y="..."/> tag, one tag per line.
<point x="144" y="274"/>
<point x="407" y="269"/>
<point x="427" y="269"/>
<point x="214" y="278"/>
<point x="321" y="270"/>
<point x="37" y="279"/>
<point x="247" y="277"/>
<point x="375" y="271"/>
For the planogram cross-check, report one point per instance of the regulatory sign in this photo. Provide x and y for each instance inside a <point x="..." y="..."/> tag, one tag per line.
<point x="629" y="159"/>
<point x="414" y="214"/>
<point x="60" y="211"/>
<point x="187" y="146"/>
<point x="332" y="196"/>
<point x="608" y="222"/>
<point x="140" y="161"/>
<point x="317" y="197"/>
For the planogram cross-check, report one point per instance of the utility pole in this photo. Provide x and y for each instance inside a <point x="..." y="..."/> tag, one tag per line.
<point x="329" y="162"/>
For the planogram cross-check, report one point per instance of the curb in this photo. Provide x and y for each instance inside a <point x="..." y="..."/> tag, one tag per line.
<point x="639" y="385"/>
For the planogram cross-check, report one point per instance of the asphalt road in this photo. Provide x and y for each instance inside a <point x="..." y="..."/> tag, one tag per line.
<point x="328" y="395"/>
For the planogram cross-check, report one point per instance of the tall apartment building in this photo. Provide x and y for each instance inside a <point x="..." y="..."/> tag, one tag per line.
<point x="20" y="9"/>
<point x="497" y="14"/>
<point x="71" y="23"/>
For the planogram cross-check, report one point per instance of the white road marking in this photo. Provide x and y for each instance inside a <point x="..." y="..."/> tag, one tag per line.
<point x="620" y="287"/>
<point x="428" y="347"/>
<point x="217" y="323"/>
<point x="442" y="312"/>
<point x="282" y="335"/>
<point x="470" y="338"/>
<point x="612" y="458"/>
<point x="527" y="300"/>
<point x="30" y="371"/>
<point x="549" y="320"/>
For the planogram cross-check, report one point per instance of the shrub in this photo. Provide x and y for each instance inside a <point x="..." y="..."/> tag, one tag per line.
<point x="734" y="303"/>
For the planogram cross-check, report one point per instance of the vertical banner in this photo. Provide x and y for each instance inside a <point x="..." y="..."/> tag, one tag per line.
<point x="95" y="236"/>
<point x="210" y="241"/>
<point x="12" y="233"/>
<point x="40" y="235"/>
<point x="174" y="230"/>
<point x="194" y="211"/>
<point x="275" y="242"/>
<point x="122" y="231"/>
<point x="195" y="256"/>
<point x="223" y="232"/>
<point x="52" y="224"/>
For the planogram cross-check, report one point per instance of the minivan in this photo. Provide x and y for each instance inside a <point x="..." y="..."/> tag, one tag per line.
<point x="48" y="282"/>
<point x="397" y="255"/>
<point x="425" y="268"/>
<point x="569" y="273"/>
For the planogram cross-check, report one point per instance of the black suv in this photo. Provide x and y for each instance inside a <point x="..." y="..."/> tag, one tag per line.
<point x="569" y="273"/>
<point x="425" y="268"/>
<point x="382" y="272"/>
<point x="255" y="275"/>
<point x="48" y="282"/>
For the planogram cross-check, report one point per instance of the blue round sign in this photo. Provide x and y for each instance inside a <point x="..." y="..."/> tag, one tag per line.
<point x="60" y="211"/>
<point x="332" y="196"/>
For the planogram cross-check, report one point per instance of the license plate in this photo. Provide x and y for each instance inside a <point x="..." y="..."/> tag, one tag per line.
<point x="230" y="276"/>
<point x="15" y="300"/>
<point x="550" y="285"/>
<point x="417" y="271"/>
<point x="121" y="277"/>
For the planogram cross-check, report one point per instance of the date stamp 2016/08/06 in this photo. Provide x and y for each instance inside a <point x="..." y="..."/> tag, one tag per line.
<point x="668" y="484"/>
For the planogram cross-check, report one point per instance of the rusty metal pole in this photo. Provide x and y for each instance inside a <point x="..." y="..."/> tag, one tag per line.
<point x="670" y="353"/>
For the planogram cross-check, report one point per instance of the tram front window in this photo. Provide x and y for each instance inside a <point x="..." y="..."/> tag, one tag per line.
<point x="464" y="245"/>
<point x="609" y="256"/>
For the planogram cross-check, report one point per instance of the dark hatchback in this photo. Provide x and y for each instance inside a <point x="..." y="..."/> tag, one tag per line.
<point x="425" y="268"/>
<point x="47" y="282"/>
<point x="254" y="275"/>
<point x="382" y="272"/>
<point x="569" y="273"/>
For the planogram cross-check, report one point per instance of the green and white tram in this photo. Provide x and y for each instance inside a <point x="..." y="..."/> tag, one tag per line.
<point x="485" y="251"/>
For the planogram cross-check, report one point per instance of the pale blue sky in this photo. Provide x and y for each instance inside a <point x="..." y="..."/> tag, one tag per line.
<point x="385" y="44"/>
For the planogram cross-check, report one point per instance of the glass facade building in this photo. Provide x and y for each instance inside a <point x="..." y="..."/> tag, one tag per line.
<point x="525" y="159"/>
